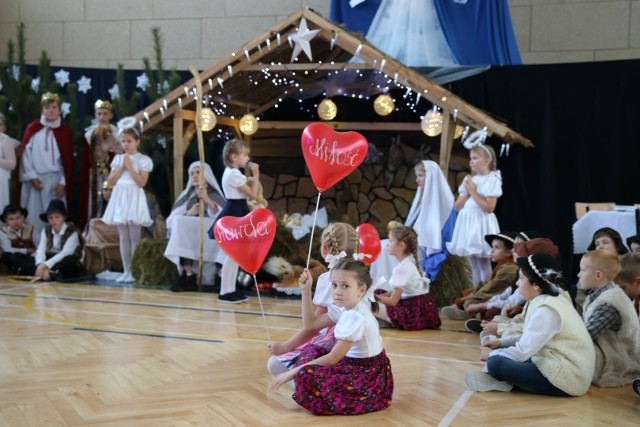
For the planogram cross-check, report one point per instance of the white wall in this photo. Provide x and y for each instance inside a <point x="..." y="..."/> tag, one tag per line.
<point x="104" y="33"/>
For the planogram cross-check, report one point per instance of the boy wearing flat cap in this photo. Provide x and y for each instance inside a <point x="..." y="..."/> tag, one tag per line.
<point x="16" y="237"/>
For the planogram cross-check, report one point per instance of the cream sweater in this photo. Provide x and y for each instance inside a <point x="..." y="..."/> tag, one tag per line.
<point x="617" y="352"/>
<point x="568" y="359"/>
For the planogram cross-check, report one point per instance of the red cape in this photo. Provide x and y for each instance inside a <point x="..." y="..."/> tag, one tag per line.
<point x="65" y="146"/>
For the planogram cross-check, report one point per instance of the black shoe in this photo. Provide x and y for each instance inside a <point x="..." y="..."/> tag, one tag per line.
<point x="217" y="282"/>
<point x="191" y="283"/>
<point x="636" y="385"/>
<point x="55" y="276"/>
<point x="473" y="325"/>
<point x="179" y="286"/>
<point x="231" y="298"/>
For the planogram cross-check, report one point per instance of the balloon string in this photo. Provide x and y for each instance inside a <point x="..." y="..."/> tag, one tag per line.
<point x="264" y="316"/>
<point x="313" y="227"/>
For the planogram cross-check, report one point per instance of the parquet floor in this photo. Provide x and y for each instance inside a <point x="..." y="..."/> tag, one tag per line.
<point x="86" y="355"/>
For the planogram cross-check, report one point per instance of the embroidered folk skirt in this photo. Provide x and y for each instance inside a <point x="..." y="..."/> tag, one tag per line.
<point x="353" y="386"/>
<point x="415" y="313"/>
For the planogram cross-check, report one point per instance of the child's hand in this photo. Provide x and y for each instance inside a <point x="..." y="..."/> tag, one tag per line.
<point x="492" y="343"/>
<point x="305" y="281"/>
<point x="505" y="310"/>
<point x="127" y="162"/>
<point x="491" y="328"/>
<point x="474" y="309"/>
<point x="58" y="191"/>
<point x="276" y="348"/>
<point x="484" y="353"/>
<point x="469" y="185"/>
<point x="194" y="210"/>
<point x="37" y="184"/>
<point x="255" y="169"/>
<point x="282" y="379"/>
<point x="42" y="271"/>
<point x="202" y="194"/>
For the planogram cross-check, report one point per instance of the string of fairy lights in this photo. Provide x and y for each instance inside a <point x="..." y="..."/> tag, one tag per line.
<point x="345" y="83"/>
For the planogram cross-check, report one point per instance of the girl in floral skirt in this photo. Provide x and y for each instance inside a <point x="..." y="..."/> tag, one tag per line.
<point x="409" y="305"/>
<point x="338" y="240"/>
<point x="355" y="376"/>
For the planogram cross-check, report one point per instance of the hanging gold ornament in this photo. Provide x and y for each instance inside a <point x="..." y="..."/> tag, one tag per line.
<point x="458" y="131"/>
<point x="248" y="124"/>
<point x="432" y="123"/>
<point x="383" y="105"/>
<point x="208" y="119"/>
<point x="327" y="109"/>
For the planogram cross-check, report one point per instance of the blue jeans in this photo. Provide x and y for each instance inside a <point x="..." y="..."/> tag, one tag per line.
<point x="524" y="375"/>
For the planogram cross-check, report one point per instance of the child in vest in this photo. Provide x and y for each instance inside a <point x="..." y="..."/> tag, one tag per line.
<point x="16" y="238"/>
<point x="554" y="355"/>
<point x="611" y="321"/>
<point x="60" y="248"/>
<point x="501" y="278"/>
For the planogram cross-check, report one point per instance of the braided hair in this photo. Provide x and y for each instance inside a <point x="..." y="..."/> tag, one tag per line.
<point x="338" y="237"/>
<point x="409" y="237"/>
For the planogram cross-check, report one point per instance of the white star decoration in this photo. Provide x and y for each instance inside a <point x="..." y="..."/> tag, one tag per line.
<point x="62" y="77"/>
<point x="84" y="84"/>
<point x="16" y="72"/>
<point x="35" y="84"/>
<point x="114" y="91"/>
<point x="65" y="108"/>
<point x="302" y="40"/>
<point x="143" y="81"/>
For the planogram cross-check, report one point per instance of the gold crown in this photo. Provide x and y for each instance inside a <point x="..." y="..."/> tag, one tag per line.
<point x="105" y="185"/>
<point x="49" y="96"/>
<point x="103" y="104"/>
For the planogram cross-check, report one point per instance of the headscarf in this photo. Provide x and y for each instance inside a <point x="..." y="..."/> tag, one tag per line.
<point x="431" y="208"/>
<point x="214" y="191"/>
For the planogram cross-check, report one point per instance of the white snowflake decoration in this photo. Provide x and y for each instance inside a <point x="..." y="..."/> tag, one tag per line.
<point x="114" y="92"/>
<point x="16" y="72"/>
<point x="84" y="84"/>
<point x="65" y="108"/>
<point x="162" y="141"/>
<point x="35" y="84"/>
<point x="62" y="77"/>
<point x="143" y="81"/>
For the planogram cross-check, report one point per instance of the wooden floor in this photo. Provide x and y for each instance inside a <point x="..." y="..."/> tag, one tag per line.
<point x="87" y="355"/>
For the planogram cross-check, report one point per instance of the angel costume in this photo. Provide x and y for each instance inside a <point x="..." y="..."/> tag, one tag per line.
<point x="8" y="147"/>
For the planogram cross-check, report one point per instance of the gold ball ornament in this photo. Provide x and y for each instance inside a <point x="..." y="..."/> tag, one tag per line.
<point x="327" y="109"/>
<point x="248" y="124"/>
<point x="432" y="123"/>
<point x="458" y="132"/>
<point x="208" y="119"/>
<point x="383" y="105"/>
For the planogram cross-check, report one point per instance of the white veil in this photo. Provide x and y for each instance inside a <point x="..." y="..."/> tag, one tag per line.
<point x="429" y="213"/>
<point x="180" y="206"/>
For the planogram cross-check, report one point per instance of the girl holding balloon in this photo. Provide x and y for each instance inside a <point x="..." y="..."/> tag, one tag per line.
<point x="355" y="376"/>
<point x="338" y="240"/>
<point x="235" y="155"/>
<point x="409" y="305"/>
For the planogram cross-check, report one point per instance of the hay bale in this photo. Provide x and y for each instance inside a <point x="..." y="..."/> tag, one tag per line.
<point x="149" y="266"/>
<point x="454" y="277"/>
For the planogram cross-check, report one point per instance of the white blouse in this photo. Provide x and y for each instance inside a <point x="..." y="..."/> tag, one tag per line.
<point x="359" y="326"/>
<point x="406" y="276"/>
<point x="323" y="295"/>
<point x="232" y="179"/>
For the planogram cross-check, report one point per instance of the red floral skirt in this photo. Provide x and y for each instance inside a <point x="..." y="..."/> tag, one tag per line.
<point x="415" y="313"/>
<point x="352" y="386"/>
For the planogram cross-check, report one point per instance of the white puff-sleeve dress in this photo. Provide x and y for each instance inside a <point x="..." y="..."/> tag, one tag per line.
<point x="473" y="222"/>
<point x="128" y="203"/>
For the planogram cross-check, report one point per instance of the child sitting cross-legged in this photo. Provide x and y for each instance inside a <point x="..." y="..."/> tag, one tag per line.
<point x="16" y="238"/>
<point x="611" y="321"/>
<point x="501" y="278"/>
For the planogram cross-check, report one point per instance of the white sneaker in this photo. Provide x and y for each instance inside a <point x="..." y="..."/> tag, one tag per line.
<point x="122" y="277"/>
<point x="481" y="381"/>
<point x="129" y="278"/>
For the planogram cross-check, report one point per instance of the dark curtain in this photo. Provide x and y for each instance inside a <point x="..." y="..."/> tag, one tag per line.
<point x="356" y="19"/>
<point x="479" y="32"/>
<point x="583" y="120"/>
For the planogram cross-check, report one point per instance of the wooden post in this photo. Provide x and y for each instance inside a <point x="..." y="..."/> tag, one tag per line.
<point x="178" y="154"/>
<point x="446" y="141"/>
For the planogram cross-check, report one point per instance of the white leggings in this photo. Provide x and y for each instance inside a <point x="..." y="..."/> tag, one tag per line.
<point x="228" y="276"/>
<point x="130" y="236"/>
<point x="480" y="269"/>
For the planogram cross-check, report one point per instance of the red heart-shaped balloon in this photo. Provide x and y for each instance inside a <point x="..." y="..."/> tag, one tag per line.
<point x="247" y="239"/>
<point x="331" y="155"/>
<point x="368" y="242"/>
